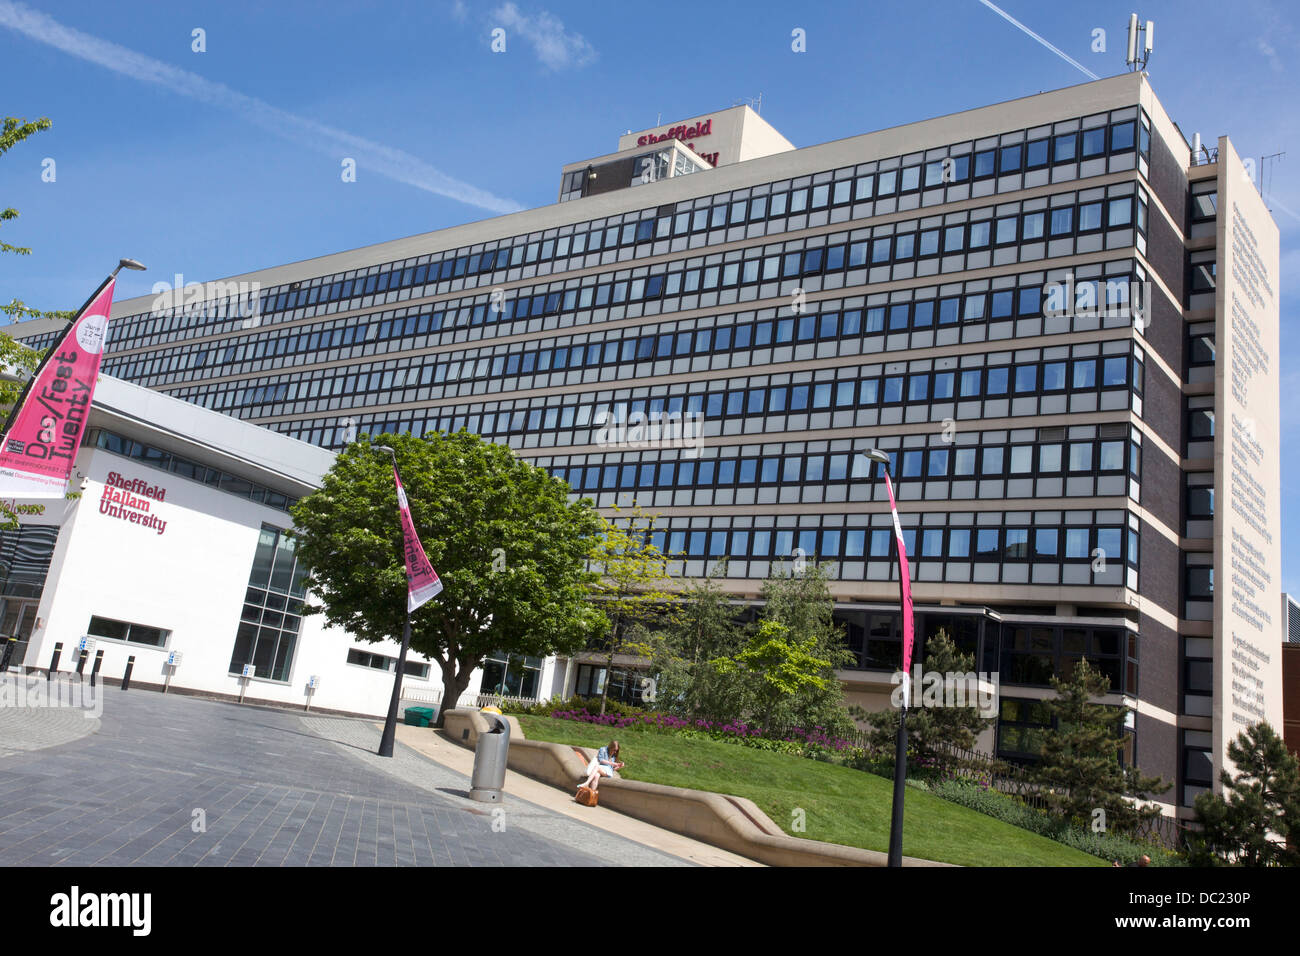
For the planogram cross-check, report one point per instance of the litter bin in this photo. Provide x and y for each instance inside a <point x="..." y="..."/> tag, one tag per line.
<point x="490" y="761"/>
<point x="418" y="716"/>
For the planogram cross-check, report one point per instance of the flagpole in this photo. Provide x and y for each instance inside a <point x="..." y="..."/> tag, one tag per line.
<point x="54" y="347"/>
<point x="390" y="724"/>
<point x="895" y="857"/>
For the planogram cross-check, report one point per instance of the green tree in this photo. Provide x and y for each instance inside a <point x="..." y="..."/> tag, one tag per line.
<point x="1080" y="769"/>
<point x="776" y="671"/>
<point x="510" y="548"/>
<point x="930" y="730"/>
<point x="631" y="590"/>
<point x="801" y="601"/>
<point x="704" y="629"/>
<point x="1249" y="823"/>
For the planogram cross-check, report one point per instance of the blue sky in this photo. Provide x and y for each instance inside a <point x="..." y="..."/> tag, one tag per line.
<point x="220" y="162"/>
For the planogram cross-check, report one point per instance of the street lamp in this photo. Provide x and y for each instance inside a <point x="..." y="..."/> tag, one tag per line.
<point x="390" y="725"/>
<point x="900" y="749"/>
<point x="128" y="264"/>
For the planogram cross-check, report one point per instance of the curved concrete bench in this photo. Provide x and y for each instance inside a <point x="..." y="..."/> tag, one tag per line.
<point x="732" y="823"/>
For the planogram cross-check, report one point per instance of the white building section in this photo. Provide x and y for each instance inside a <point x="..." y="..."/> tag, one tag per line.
<point x="176" y="551"/>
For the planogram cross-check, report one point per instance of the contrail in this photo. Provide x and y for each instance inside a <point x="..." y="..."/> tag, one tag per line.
<point x="385" y="160"/>
<point x="1064" y="56"/>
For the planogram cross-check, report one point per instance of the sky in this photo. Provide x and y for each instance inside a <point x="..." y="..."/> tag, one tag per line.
<point x="210" y="141"/>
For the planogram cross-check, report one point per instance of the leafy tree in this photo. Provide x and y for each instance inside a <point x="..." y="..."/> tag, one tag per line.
<point x="1250" y="822"/>
<point x="801" y="601"/>
<point x="776" y="670"/>
<point x="704" y="629"/>
<point x="13" y="132"/>
<point x="1080" y="769"/>
<point x="631" y="590"/>
<point x="931" y="729"/>
<point x="510" y="548"/>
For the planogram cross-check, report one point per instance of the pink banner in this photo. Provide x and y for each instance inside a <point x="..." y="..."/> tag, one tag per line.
<point x="905" y="584"/>
<point x="45" y="428"/>
<point x="421" y="580"/>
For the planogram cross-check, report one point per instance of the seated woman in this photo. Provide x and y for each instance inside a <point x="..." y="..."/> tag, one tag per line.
<point x="602" y="765"/>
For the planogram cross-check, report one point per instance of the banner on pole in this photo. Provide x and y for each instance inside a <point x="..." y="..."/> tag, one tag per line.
<point x="905" y="586"/>
<point x="45" y="428"/>
<point x="421" y="580"/>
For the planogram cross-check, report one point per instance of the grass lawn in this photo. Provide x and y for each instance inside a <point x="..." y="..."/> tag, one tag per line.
<point x="841" y="805"/>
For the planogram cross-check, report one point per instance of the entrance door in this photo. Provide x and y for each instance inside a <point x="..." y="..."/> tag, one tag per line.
<point x="17" y="620"/>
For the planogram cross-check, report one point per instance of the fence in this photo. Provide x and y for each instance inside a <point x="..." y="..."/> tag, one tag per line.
<point x="467" y="699"/>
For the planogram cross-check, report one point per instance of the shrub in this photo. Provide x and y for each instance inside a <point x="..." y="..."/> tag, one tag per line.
<point x="1108" y="846"/>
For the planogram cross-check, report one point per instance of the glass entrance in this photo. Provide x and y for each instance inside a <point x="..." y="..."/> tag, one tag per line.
<point x="17" y="618"/>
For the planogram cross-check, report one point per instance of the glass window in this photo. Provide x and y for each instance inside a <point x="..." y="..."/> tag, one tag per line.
<point x="1120" y="212"/>
<point x="1094" y="142"/>
<point x="992" y="461"/>
<point x="959" y="543"/>
<point x="1064" y="147"/>
<point x="1045" y="544"/>
<point x="1049" y="458"/>
<point x="1090" y="217"/>
<point x="1121" y="136"/>
<point x="1115" y="371"/>
<point x="1063" y="221"/>
<point x="986" y="544"/>
<point x="1085" y="374"/>
<point x="1036" y="154"/>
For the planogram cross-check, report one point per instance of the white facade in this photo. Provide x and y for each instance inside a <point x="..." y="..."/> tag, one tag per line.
<point x="146" y="546"/>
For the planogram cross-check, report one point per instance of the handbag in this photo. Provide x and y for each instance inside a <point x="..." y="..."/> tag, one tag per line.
<point x="587" y="797"/>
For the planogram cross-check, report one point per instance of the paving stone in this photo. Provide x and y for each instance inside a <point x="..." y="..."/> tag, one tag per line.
<point x="276" y="789"/>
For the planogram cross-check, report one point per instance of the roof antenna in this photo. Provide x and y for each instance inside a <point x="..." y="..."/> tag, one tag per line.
<point x="1137" y="60"/>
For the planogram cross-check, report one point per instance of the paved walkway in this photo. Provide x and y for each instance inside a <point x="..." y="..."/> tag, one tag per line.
<point x="173" y="780"/>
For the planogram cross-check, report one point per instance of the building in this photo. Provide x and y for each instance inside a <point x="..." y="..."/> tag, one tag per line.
<point x="174" y="560"/>
<point x="1058" y="320"/>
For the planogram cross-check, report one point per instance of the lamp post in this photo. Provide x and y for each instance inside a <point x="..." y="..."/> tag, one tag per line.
<point x="900" y="749"/>
<point x="390" y="725"/>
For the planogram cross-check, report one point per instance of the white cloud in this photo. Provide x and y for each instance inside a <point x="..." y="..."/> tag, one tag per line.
<point x="385" y="160"/>
<point x="556" y="48"/>
<point x="459" y="12"/>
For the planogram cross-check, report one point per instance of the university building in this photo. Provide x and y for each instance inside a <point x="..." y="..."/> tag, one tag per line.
<point x="1059" y="321"/>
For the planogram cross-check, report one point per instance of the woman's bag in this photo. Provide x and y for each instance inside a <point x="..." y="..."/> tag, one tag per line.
<point x="587" y="797"/>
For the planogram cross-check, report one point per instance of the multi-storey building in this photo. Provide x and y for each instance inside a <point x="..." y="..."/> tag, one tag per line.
<point x="1058" y="322"/>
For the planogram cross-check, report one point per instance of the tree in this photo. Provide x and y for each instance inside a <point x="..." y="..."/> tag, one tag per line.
<point x="801" y="601"/>
<point x="630" y="591"/>
<point x="1080" y="768"/>
<point x="704" y="629"/>
<point x="776" y="670"/>
<point x="1250" y="822"/>
<point x="510" y="548"/>
<point x="931" y="729"/>
<point x="13" y="132"/>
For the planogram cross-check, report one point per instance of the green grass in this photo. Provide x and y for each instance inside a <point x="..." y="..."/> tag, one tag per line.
<point x="841" y="805"/>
